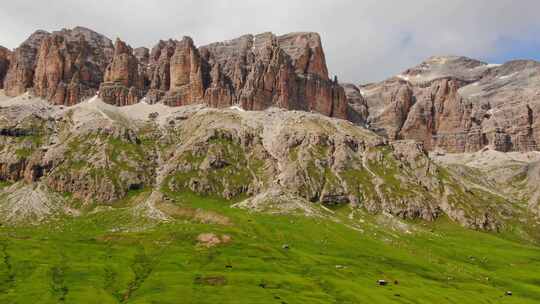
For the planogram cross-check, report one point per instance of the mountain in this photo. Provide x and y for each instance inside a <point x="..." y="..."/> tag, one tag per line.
<point x="457" y="104"/>
<point x="113" y="203"/>
<point x="449" y="103"/>
<point x="254" y="71"/>
<point x="239" y="172"/>
<point x="98" y="153"/>
<point x="63" y="67"/>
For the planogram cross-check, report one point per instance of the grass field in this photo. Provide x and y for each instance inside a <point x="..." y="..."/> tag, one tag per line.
<point x="113" y="257"/>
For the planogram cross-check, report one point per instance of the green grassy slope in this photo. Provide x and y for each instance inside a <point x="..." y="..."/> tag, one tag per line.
<point x="112" y="257"/>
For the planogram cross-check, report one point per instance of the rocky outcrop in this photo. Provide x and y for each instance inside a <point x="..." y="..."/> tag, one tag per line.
<point x="447" y="112"/>
<point x="398" y="99"/>
<point x="186" y="75"/>
<point x="64" y="67"/>
<point x="20" y="75"/>
<point x="286" y="71"/>
<point x="459" y="104"/>
<point x="143" y="57"/>
<point x="306" y="52"/>
<point x="271" y="81"/>
<point x="255" y="72"/>
<point x="123" y="84"/>
<point x="159" y="70"/>
<point x="357" y="109"/>
<point x="5" y="57"/>
<point x="98" y="153"/>
<point x="220" y="93"/>
<point x="65" y="71"/>
<point x="453" y="103"/>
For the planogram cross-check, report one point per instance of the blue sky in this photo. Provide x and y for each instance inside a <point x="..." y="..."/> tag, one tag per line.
<point x="510" y="49"/>
<point x="364" y="40"/>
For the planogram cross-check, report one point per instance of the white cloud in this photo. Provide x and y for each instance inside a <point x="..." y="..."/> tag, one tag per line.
<point x="364" y="40"/>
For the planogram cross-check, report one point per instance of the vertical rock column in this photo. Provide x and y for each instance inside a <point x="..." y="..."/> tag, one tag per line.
<point x="20" y="75"/>
<point x="186" y="76"/>
<point x="123" y="85"/>
<point x="61" y="74"/>
<point x="5" y="55"/>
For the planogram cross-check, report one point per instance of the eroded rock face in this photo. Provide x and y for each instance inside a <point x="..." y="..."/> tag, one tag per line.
<point x="357" y="110"/>
<point x="123" y="84"/>
<point x="64" y="74"/>
<point x="220" y="93"/>
<point x="253" y="71"/>
<point x="20" y="75"/>
<point x="5" y="57"/>
<point x="99" y="153"/>
<point x="159" y="71"/>
<point x="460" y="105"/>
<point x="306" y="52"/>
<point x="283" y="71"/>
<point x="186" y="75"/>
<point x="64" y="67"/>
<point x="143" y="57"/>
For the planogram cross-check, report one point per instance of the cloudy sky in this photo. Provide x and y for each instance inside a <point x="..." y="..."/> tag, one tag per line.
<point x="365" y="40"/>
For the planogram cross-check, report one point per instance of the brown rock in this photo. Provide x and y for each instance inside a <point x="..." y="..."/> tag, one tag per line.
<point x="459" y="104"/>
<point x="160" y="59"/>
<point x="20" y="75"/>
<point x="306" y="52"/>
<point x="396" y="100"/>
<point x="287" y="71"/>
<point x="256" y="72"/>
<point x="271" y="81"/>
<point x="158" y="70"/>
<point x="323" y="96"/>
<point x="186" y="78"/>
<point x="60" y="71"/>
<point x="5" y="57"/>
<point x="124" y="67"/>
<point x="123" y="85"/>
<point x="357" y="110"/>
<point x="64" y="67"/>
<point x="219" y="94"/>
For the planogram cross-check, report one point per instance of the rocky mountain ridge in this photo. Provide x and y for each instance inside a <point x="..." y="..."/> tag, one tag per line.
<point x="96" y="154"/>
<point x="456" y="104"/>
<point x="449" y="103"/>
<point x="253" y="71"/>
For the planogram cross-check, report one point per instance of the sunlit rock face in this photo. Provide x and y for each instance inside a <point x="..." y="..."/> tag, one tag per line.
<point x="64" y="67"/>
